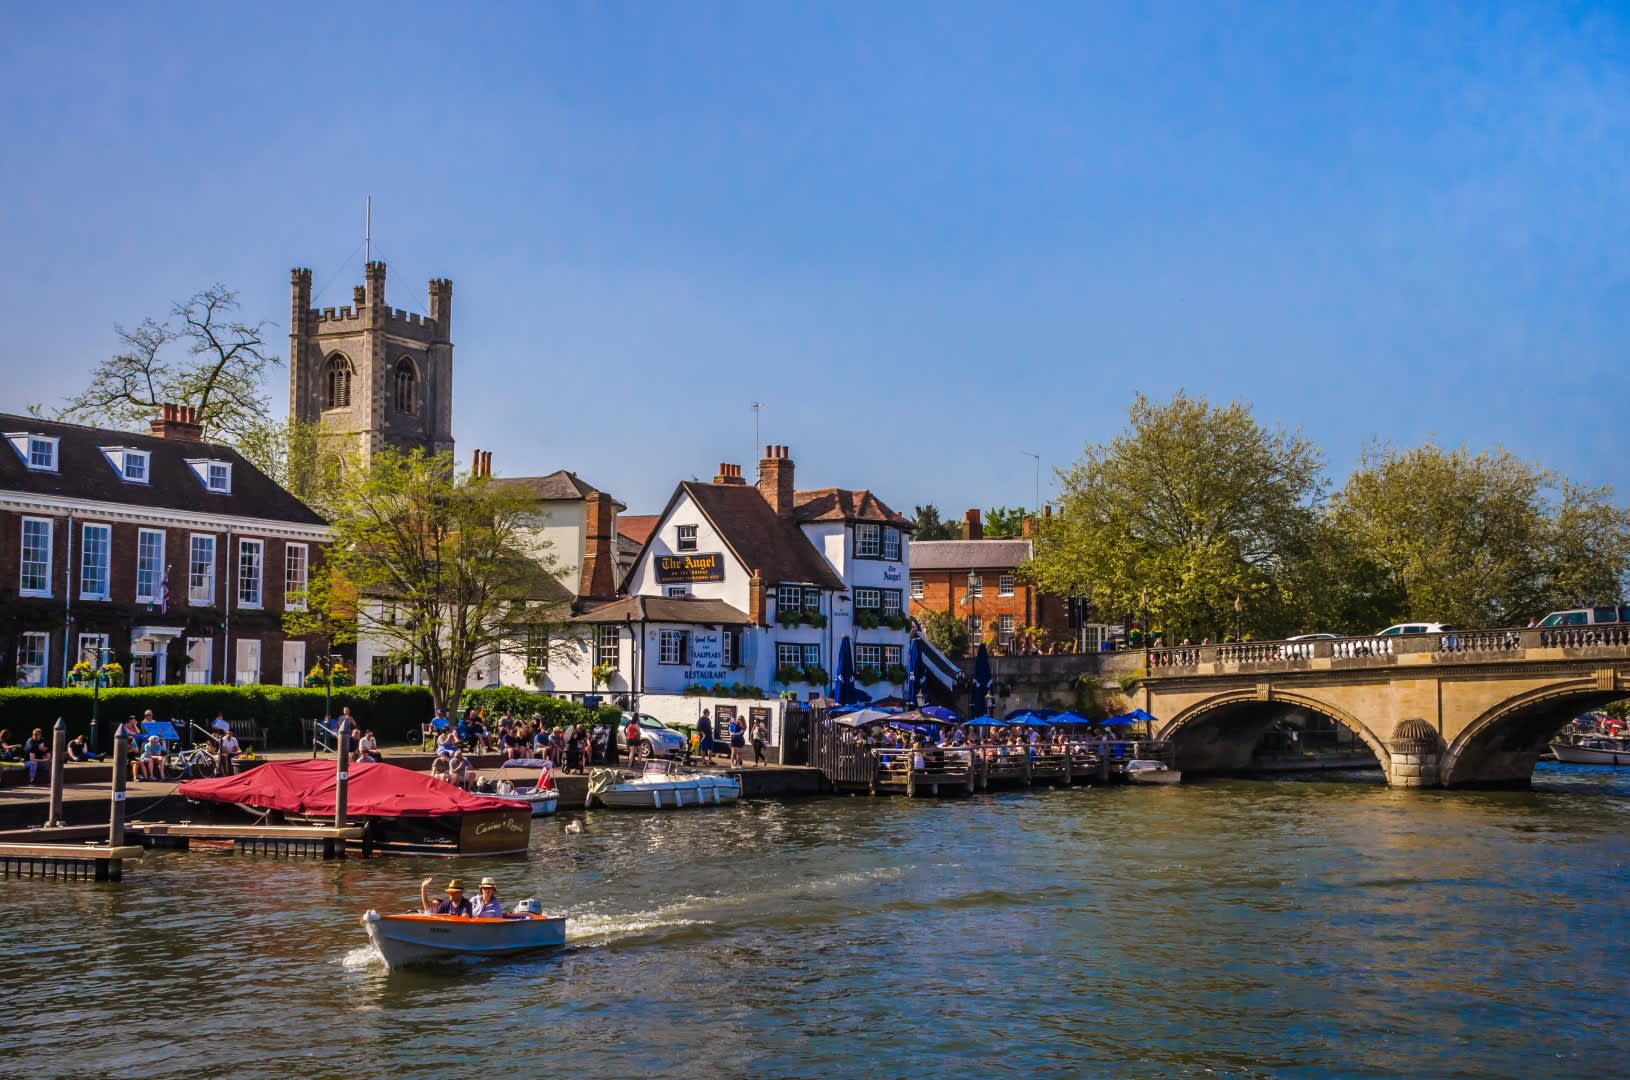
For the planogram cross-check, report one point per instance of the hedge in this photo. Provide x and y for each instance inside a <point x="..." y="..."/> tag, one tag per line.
<point x="556" y="712"/>
<point x="389" y="710"/>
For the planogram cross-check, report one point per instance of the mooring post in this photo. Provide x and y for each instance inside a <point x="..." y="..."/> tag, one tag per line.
<point x="343" y="776"/>
<point x="116" y="812"/>
<point x="59" y="752"/>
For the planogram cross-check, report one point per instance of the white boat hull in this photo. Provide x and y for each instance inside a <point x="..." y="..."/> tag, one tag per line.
<point x="669" y="793"/>
<point x="542" y="803"/>
<point x="1152" y="772"/>
<point x="1573" y="754"/>
<point x="419" y="939"/>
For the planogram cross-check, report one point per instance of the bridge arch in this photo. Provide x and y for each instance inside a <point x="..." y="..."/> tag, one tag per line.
<point x="1219" y="733"/>
<point x="1503" y="744"/>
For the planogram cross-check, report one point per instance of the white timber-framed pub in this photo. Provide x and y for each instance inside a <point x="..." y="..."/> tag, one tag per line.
<point x="741" y="587"/>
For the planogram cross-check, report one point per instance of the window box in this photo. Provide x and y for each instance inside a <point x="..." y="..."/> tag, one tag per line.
<point x="897" y="622"/>
<point x="789" y="619"/>
<point x="896" y="673"/>
<point x="868" y="676"/>
<point x="815" y="673"/>
<point x="789" y="673"/>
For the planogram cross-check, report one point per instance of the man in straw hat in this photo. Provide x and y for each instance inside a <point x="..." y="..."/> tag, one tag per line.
<point x="453" y="904"/>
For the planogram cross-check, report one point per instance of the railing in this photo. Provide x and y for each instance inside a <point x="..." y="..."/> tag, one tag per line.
<point x="1584" y="637"/>
<point x="1509" y="643"/>
<point x="842" y="757"/>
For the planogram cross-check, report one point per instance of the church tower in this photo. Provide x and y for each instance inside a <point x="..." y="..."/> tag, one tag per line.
<point x="374" y="375"/>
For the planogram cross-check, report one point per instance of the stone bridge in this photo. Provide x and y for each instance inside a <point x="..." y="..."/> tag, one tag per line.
<point x="1471" y="708"/>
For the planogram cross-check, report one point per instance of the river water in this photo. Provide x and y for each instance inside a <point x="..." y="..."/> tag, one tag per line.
<point x="1234" y="928"/>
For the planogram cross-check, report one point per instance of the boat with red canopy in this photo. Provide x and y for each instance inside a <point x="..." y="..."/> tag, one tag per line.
<point x="401" y="810"/>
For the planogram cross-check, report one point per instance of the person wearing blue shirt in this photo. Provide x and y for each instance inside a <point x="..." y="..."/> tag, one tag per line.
<point x="453" y="904"/>
<point x="488" y="907"/>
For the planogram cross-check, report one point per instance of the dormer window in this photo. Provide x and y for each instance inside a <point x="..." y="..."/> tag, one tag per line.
<point x="133" y="466"/>
<point x="216" y="476"/>
<point x="39" y="452"/>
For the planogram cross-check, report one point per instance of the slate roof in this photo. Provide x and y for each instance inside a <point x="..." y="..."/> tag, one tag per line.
<point x="844" y="504"/>
<point x="664" y="609"/>
<point x="968" y="554"/>
<point x="562" y="484"/>
<point x="775" y="547"/>
<point x="84" y="472"/>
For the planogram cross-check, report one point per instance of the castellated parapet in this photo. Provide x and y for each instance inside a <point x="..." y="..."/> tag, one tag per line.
<point x="370" y="373"/>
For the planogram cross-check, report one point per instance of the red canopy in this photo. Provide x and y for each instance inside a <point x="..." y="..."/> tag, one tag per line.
<point x="375" y="789"/>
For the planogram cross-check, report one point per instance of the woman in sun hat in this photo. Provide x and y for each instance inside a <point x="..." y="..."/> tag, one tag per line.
<point x="488" y="907"/>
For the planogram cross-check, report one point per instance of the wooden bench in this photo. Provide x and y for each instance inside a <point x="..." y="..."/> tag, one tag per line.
<point x="248" y="732"/>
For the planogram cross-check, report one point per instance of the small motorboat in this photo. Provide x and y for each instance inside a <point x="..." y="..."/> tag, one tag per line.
<point x="1592" y="750"/>
<point x="660" y="787"/>
<point x="419" y="939"/>
<point x="1149" y="771"/>
<point x="527" y="782"/>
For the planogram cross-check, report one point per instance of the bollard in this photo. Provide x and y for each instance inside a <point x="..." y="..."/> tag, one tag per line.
<point x="59" y="752"/>
<point x="343" y="776"/>
<point x="116" y="813"/>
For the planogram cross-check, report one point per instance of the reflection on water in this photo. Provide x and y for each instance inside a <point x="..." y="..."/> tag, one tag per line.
<point x="1239" y="928"/>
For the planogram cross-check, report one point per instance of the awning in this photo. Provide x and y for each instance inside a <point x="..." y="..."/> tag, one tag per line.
<point x="942" y="667"/>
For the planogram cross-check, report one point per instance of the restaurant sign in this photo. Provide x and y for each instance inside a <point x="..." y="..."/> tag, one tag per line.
<point x="678" y="569"/>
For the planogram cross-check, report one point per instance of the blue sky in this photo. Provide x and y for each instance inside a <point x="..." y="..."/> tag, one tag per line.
<point x="927" y="237"/>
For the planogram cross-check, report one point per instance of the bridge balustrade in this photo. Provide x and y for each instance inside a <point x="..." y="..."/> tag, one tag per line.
<point x="1508" y="642"/>
<point x="1480" y="641"/>
<point x="1584" y="637"/>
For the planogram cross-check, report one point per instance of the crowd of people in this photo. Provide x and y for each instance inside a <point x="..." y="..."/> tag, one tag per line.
<point x="570" y="749"/>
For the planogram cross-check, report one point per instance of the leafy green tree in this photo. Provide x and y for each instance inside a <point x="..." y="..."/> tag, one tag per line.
<point x="439" y="567"/>
<point x="930" y="527"/>
<point x="300" y="459"/>
<point x="1005" y="521"/>
<point x="946" y="632"/>
<point x="1195" y="503"/>
<point x="1482" y="539"/>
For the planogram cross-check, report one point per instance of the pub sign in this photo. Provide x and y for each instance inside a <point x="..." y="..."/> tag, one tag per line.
<point x="680" y="569"/>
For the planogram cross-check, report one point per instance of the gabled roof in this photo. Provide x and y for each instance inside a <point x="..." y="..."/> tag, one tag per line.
<point x="844" y="504"/>
<point x="637" y="527"/>
<point x="560" y="485"/>
<point x="84" y="472"/>
<point x="968" y="554"/>
<point x="776" y="547"/>
<point x="669" y="609"/>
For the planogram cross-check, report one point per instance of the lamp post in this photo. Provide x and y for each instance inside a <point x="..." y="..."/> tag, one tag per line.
<point x="97" y="676"/>
<point x="1144" y="596"/>
<point x="972" y="598"/>
<point x="1239" y="609"/>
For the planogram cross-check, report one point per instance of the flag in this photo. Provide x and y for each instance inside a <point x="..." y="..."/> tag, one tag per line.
<point x="164" y="595"/>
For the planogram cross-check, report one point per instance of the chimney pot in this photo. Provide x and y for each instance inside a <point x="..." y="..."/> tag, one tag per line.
<point x="972" y="527"/>
<point x="175" y="422"/>
<point x="775" y="480"/>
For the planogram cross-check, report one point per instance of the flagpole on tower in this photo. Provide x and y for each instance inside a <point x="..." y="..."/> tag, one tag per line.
<point x="368" y="232"/>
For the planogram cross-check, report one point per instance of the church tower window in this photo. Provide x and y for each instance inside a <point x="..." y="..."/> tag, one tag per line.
<point x="338" y="382"/>
<point x="407" y="388"/>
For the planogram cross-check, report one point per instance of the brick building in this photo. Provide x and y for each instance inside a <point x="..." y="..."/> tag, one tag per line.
<point x="175" y="555"/>
<point x="977" y="580"/>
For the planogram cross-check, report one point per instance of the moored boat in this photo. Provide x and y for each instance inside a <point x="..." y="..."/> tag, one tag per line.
<point x="1148" y="771"/>
<point x="520" y="786"/>
<point x="417" y="938"/>
<point x="1592" y="750"/>
<point x="660" y="787"/>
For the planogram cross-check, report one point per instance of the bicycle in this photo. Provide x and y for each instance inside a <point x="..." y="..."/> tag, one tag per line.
<point x="195" y="764"/>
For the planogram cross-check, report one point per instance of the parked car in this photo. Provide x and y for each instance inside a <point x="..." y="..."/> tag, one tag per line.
<point x="656" y="738"/>
<point x="1417" y="628"/>
<point x="1300" y="646"/>
<point x="1588" y="616"/>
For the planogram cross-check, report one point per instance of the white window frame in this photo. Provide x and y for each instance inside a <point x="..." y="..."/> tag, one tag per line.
<point x="727" y="646"/>
<point x="868" y="599"/>
<point x="868" y="541"/>
<point x="678" y="592"/>
<point x="131" y="457"/>
<point x="1005" y="584"/>
<point x="208" y="597"/>
<point x="685" y="538"/>
<point x="608" y="645"/>
<point x="789" y="598"/>
<point x="812" y="599"/>
<point x="294" y="674"/>
<point x="241" y="677"/>
<point x="788" y="654"/>
<point x="155" y="593"/>
<point x="294" y="587"/>
<point x="93" y="642"/>
<point x="869" y="656"/>
<point x="259" y="566"/>
<point x="891" y="544"/>
<point x="225" y="485"/>
<point x="196" y="676"/>
<point x="812" y="655"/>
<point x="43" y="668"/>
<point x="22" y="552"/>
<point x="1006" y="628"/>
<point x="88" y="589"/>
<point x="52" y="447"/>
<point x="671" y="647"/>
<point x="892" y="602"/>
<point x="891" y="656"/>
<point x="536" y="651"/>
<point x="916" y="588"/>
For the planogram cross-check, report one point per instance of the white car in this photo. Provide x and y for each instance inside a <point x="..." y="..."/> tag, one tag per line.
<point x="656" y="738"/>
<point x="1300" y="647"/>
<point x="1417" y="628"/>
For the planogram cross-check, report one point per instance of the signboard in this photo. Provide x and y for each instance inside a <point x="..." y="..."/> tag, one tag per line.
<point x="706" y="657"/>
<point x="723" y="715"/>
<point x="681" y="569"/>
<point x="758" y="723"/>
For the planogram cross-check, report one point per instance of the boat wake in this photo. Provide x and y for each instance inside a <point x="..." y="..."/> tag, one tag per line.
<point x="594" y="928"/>
<point x="363" y="956"/>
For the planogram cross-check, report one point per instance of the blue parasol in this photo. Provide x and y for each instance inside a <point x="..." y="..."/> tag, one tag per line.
<point x="938" y="712"/>
<point x="844" y="687"/>
<point x="1071" y="719"/>
<point x="1139" y="714"/>
<point x="1035" y="718"/>
<point x="1122" y="721"/>
<point x="914" y="670"/>
<point x="981" y="679"/>
<point x="984" y="721"/>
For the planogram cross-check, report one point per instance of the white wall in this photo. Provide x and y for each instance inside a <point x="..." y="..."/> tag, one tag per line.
<point x="733" y="590"/>
<point x="556" y="529"/>
<point x="674" y="709"/>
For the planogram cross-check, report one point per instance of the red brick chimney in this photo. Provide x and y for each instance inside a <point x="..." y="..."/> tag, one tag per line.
<point x="729" y="474"/>
<point x="480" y="464"/>
<point x="1027" y="527"/>
<point x="598" y="577"/>
<point x="755" y="599"/>
<point x="972" y="527"/>
<point x="775" y="480"/>
<point x="178" y="422"/>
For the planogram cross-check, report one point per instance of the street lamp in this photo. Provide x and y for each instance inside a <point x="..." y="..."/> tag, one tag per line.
<point x="101" y="654"/>
<point x="1144" y="596"/>
<point x="1239" y="608"/>
<point x="972" y="599"/>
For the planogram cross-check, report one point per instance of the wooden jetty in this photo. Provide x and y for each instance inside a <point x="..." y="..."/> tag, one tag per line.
<point x="315" y="841"/>
<point x="84" y="862"/>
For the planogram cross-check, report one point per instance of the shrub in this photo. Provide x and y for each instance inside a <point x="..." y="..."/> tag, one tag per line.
<point x="556" y="712"/>
<point x="389" y="710"/>
<point x="896" y="673"/>
<point x="867" y="675"/>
